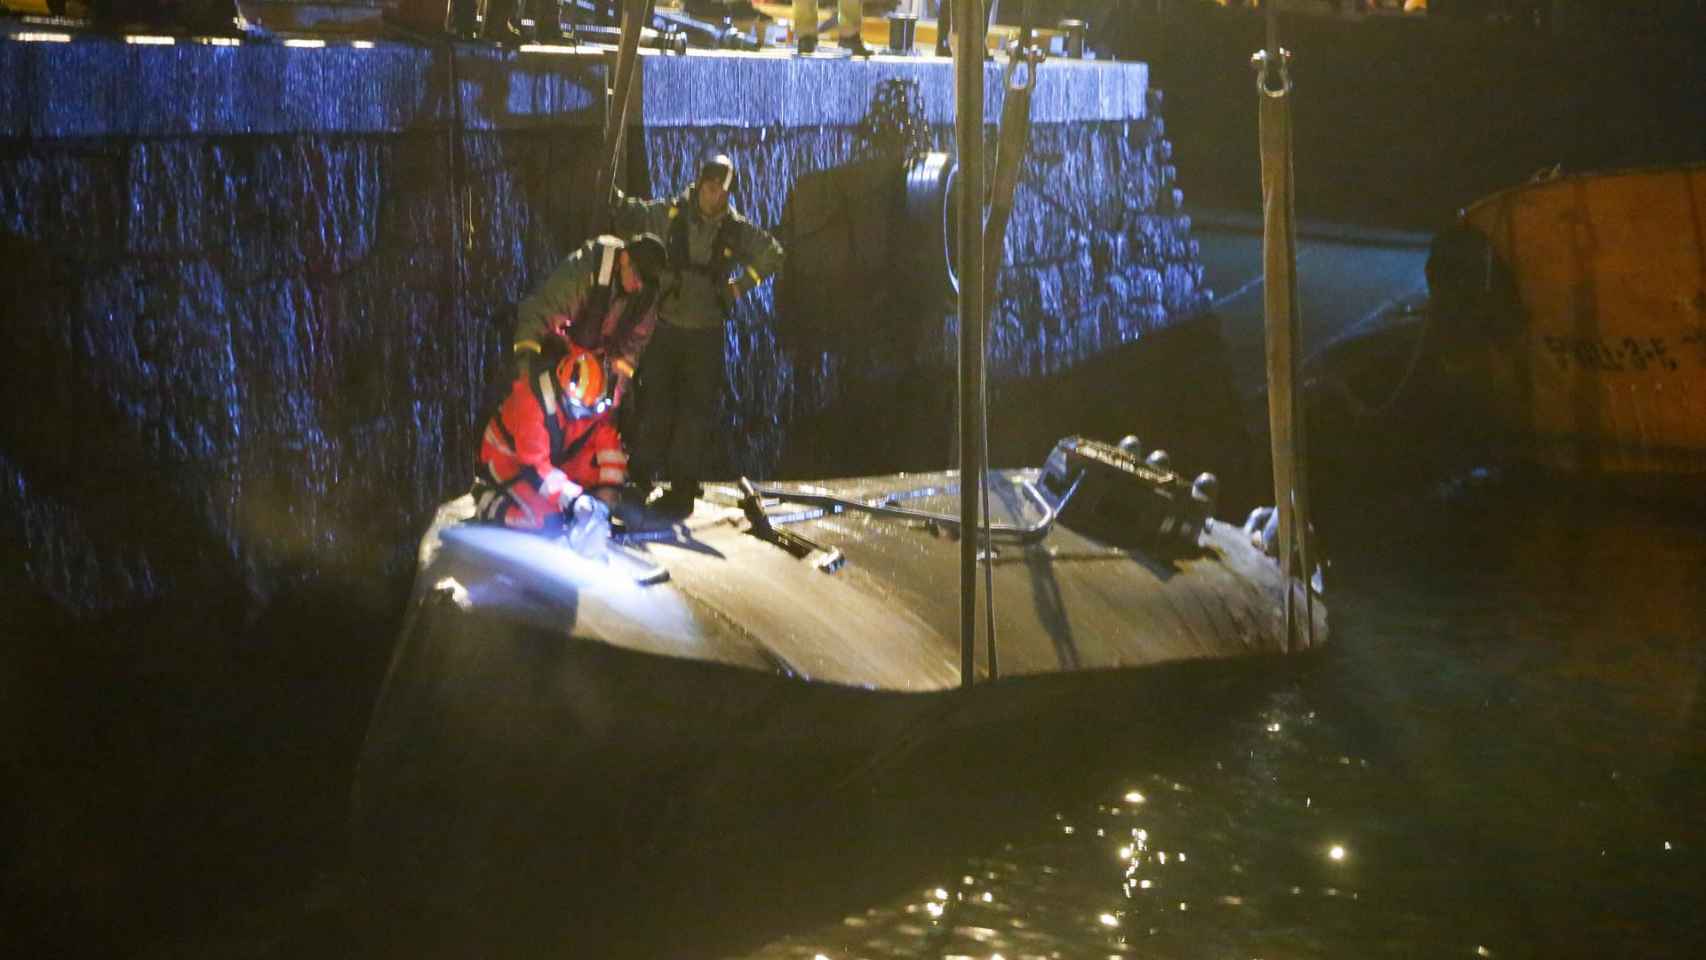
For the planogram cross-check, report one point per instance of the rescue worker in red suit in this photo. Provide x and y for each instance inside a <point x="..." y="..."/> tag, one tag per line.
<point x="577" y="341"/>
<point x="549" y="443"/>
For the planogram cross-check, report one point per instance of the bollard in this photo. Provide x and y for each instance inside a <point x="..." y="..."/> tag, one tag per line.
<point x="1074" y="31"/>
<point x="903" y="32"/>
<point x="805" y="25"/>
<point x="1205" y="492"/>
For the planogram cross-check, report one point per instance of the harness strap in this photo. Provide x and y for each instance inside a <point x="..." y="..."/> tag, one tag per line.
<point x="722" y="246"/>
<point x="607" y="247"/>
<point x="573" y="448"/>
<point x="544" y="389"/>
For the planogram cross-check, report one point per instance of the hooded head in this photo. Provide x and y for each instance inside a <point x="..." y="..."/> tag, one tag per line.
<point x="647" y="256"/>
<point x="716" y="181"/>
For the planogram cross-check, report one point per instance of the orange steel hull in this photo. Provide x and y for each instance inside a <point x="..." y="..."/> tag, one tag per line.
<point x="1609" y="373"/>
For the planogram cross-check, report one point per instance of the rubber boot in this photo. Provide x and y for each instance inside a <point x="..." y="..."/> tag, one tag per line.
<point x="588" y="524"/>
<point x="547" y="20"/>
<point x="461" y="18"/>
<point x="850" y="24"/>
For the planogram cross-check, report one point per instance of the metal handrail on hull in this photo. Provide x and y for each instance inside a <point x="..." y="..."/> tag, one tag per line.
<point x="880" y="507"/>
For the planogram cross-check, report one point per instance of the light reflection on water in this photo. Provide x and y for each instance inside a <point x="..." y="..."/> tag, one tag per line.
<point x="1504" y="755"/>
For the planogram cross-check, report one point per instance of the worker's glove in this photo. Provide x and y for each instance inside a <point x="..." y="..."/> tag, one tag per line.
<point x="618" y="388"/>
<point x="556" y="484"/>
<point x="589" y="527"/>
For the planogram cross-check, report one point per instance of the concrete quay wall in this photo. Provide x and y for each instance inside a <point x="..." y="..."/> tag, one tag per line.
<point x="259" y="295"/>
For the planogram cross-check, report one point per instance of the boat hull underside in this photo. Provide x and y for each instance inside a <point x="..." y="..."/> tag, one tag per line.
<point x="890" y="617"/>
<point x="518" y="781"/>
<point x="548" y="727"/>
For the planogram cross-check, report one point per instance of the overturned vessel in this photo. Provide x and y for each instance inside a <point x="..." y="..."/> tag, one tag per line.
<point x="539" y="696"/>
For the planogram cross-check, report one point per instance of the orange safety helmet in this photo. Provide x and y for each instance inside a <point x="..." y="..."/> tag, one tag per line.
<point x="582" y="378"/>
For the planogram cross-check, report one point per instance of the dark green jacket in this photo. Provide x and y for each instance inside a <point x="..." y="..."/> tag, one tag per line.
<point x="692" y="298"/>
<point x="570" y="303"/>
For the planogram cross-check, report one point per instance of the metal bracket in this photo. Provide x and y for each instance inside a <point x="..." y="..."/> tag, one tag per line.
<point x="1263" y="66"/>
<point x="825" y="559"/>
<point x="881" y="507"/>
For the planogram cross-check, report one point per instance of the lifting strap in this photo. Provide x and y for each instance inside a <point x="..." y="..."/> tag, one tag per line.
<point x="1284" y="333"/>
<point x="968" y="125"/>
<point x="620" y="97"/>
<point x="1010" y="146"/>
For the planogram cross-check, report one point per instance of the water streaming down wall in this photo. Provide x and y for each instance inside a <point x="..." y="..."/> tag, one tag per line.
<point x="1098" y="249"/>
<point x="258" y="296"/>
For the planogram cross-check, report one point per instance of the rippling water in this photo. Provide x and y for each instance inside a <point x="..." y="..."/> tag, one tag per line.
<point x="1503" y="754"/>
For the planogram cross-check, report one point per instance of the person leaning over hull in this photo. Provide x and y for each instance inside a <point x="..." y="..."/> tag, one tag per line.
<point x="603" y="297"/>
<point x="707" y="240"/>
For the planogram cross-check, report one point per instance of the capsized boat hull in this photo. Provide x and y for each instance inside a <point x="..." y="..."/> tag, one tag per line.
<point x="890" y="618"/>
<point x="523" y="784"/>
<point x="545" y="722"/>
<point x="1607" y="371"/>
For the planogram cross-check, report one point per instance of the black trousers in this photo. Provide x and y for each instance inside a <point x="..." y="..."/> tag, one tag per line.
<point x="681" y="382"/>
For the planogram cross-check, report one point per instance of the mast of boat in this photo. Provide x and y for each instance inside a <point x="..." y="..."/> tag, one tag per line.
<point x="968" y="133"/>
<point x="1284" y="327"/>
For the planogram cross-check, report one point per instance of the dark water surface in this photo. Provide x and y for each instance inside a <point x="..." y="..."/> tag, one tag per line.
<point x="1503" y="754"/>
<point x="1505" y="743"/>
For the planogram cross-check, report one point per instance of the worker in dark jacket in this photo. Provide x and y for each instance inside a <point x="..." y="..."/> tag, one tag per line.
<point x="603" y="297"/>
<point x="715" y="257"/>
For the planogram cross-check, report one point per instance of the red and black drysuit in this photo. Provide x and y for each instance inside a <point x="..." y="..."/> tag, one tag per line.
<point x="537" y="429"/>
<point x="581" y="306"/>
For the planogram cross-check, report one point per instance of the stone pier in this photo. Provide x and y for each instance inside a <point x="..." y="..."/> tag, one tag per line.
<point x="258" y="294"/>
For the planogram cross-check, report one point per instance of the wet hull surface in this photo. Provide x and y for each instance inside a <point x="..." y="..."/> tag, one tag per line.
<point x="527" y="782"/>
<point x="549" y="728"/>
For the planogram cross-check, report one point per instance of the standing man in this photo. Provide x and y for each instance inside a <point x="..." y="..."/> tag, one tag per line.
<point x="707" y="241"/>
